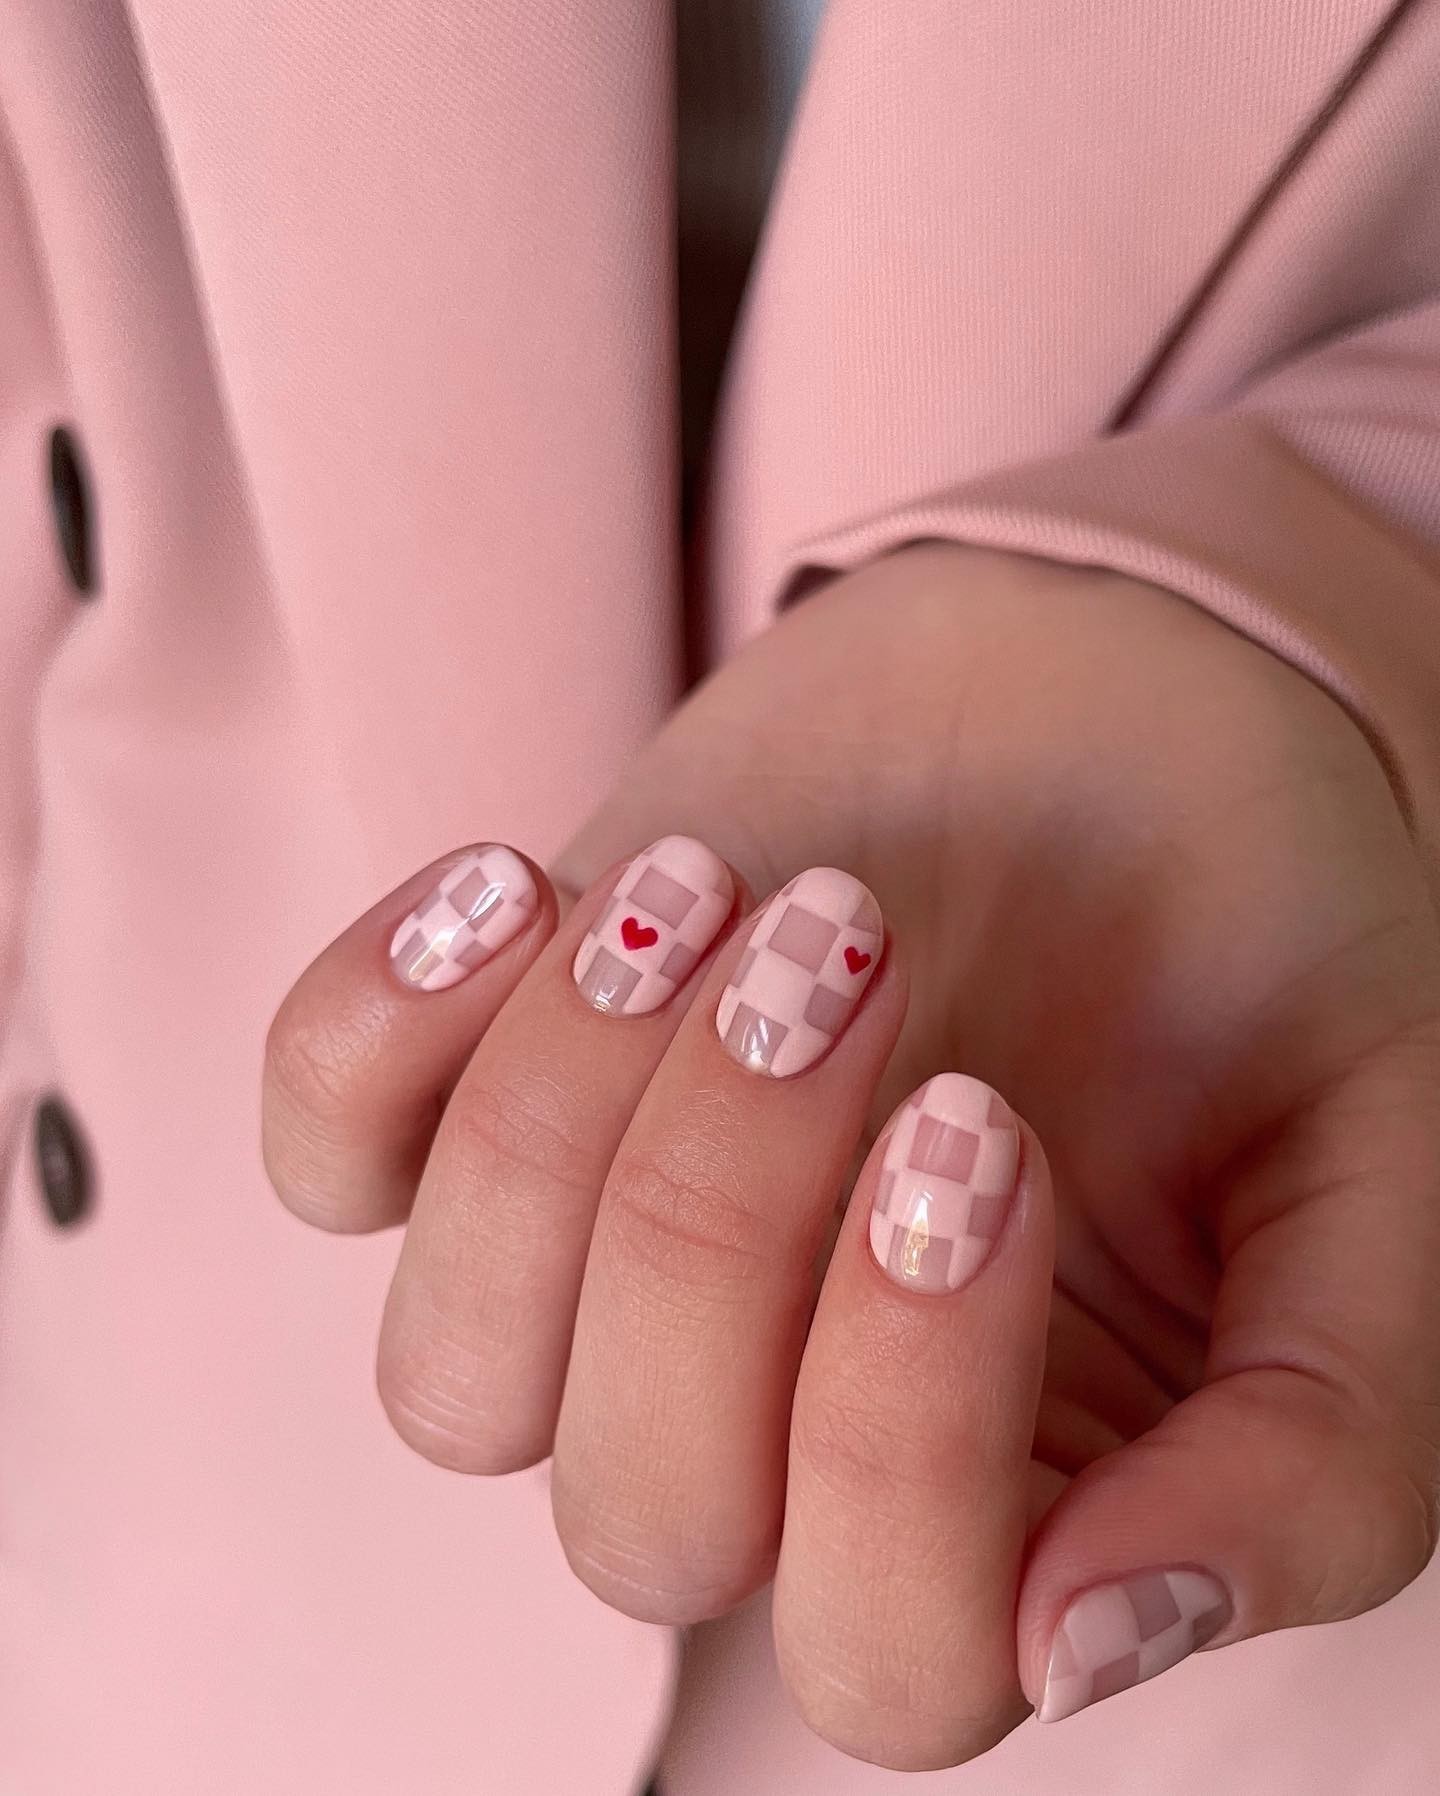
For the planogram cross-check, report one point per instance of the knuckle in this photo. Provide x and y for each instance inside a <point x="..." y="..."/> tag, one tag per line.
<point x="438" y="1400"/>
<point x="669" y="1597"/>
<point x="899" y="1742"/>
<point x="1372" y="1562"/>
<point x="457" y="1440"/>
<point x="316" y="1058"/>
<point x="1393" y="1456"/>
<point x="655" y="1573"/>
<point x="1412" y="1502"/>
<point x="885" y="1704"/>
<point x="670" y="1213"/>
<point x="307" y="1128"/>
<point x="518" y="1136"/>
<point x="1368" y="1460"/>
<point x="859" y="1455"/>
<point x="315" y="1199"/>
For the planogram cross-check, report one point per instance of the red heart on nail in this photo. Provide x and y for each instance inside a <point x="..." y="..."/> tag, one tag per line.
<point x="856" y="961"/>
<point x="635" y="935"/>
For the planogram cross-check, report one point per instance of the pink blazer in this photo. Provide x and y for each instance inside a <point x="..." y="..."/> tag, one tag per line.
<point x="360" y="315"/>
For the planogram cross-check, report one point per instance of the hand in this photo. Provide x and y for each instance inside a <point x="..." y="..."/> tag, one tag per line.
<point x="1151" y="884"/>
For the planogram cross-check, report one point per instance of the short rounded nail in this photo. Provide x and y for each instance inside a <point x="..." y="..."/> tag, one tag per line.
<point x="810" y="955"/>
<point x="666" y="909"/>
<point x="1119" y="1634"/>
<point x="480" y="903"/>
<point x="946" y="1184"/>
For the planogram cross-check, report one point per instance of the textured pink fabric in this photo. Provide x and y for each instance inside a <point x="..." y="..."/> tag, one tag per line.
<point x="362" y="313"/>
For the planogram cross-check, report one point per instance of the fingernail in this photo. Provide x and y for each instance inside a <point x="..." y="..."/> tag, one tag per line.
<point x="483" y="901"/>
<point x="1120" y="1634"/>
<point x="947" y="1180"/>
<point x="666" y="909"/>
<point x="809" y="957"/>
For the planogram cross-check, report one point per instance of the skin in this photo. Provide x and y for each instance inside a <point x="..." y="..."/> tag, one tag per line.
<point x="1138" y="875"/>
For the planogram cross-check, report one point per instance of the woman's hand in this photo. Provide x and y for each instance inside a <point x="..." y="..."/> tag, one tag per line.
<point x="1147" y="882"/>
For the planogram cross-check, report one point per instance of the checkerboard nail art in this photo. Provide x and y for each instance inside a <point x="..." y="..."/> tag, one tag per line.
<point x="1120" y="1634"/>
<point x="947" y="1179"/>
<point x="808" y="959"/>
<point x="666" y="909"/>
<point x="484" y="900"/>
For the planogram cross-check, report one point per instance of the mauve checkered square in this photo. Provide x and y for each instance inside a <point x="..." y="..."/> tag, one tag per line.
<point x="945" y="1185"/>
<point x="1118" y="1634"/>
<point x="675" y="896"/>
<point x="467" y="895"/>
<point x="803" y="937"/>
<point x="1154" y="1604"/>
<point x="478" y="905"/>
<point x="943" y="1149"/>
<point x="827" y="1010"/>
<point x="662" y="896"/>
<point x="805" y="930"/>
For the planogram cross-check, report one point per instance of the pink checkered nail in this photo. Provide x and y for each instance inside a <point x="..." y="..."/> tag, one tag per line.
<point x="1120" y="1634"/>
<point x="809" y="957"/>
<point x="484" y="900"/>
<point x="666" y="909"/>
<point x="947" y="1179"/>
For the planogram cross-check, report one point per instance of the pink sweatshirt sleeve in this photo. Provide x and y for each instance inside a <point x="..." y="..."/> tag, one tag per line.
<point x="1277" y="459"/>
<point x="1307" y="516"/>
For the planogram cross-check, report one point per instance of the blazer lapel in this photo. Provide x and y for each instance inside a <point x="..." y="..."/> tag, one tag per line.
<point x="434" y="244"/>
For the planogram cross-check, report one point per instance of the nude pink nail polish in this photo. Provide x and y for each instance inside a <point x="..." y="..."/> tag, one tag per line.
<point x="947" y="1181"/>
<point x="666" y="910"/>
<point x="809" y="957"/>
<point x="481" y="903"/>
<point x="1119" y="1634"/>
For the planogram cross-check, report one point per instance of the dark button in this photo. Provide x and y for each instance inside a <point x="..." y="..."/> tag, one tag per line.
<point x="62" y="1162"/>
<point x="70" y="496"/>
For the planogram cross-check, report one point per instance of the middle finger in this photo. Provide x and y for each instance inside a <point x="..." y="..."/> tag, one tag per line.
<point x="669" y="1470"/>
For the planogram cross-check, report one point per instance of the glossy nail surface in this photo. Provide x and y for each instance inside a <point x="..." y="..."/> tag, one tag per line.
<point x="666" y="910"/>
<point x="1120" y="1634"/>
<point x="481" y="903"/>
<point x="809" y="956"/>
<point x="947" y="1180"/>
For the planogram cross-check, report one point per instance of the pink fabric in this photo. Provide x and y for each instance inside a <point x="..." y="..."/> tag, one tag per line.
<point x="362" y="312"/>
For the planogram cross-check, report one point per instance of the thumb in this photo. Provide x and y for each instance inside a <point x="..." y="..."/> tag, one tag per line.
<point x="783" y="758"/>
<point x="1297" y="1485"/>
<point x="706" y="774"/>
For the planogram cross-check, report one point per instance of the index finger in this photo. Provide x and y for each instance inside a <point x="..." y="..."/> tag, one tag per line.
<point x="910" y="1445"/>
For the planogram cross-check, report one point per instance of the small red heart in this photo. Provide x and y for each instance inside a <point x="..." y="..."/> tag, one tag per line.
<point x="635" y="934"/>
<point x="856" y="961"/>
